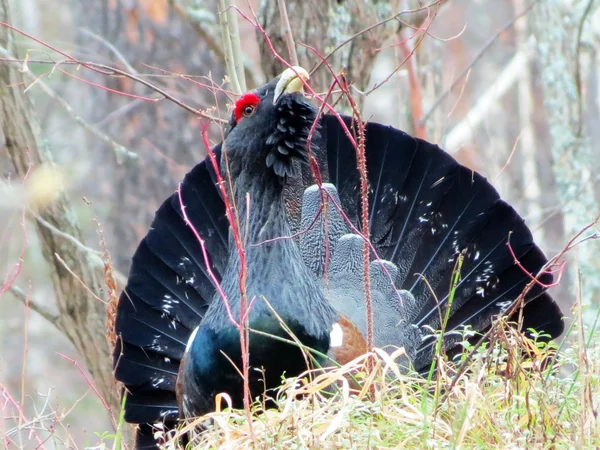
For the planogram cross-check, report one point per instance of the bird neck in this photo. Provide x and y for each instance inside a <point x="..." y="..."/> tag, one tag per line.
<point x="260" y="209"/>
<point x="271" y="266"/>
<point x="267" y="274"/>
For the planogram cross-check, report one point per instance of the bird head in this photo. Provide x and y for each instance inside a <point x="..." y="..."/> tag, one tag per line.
<point x="270" y="125"/>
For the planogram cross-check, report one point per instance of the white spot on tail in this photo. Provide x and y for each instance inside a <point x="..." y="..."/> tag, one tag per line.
<point x="157" y="381"/>
<point x="336" y="337"/>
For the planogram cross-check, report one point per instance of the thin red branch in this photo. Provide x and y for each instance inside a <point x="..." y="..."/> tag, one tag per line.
<point x="232" y="217"/>
<point x="534" y="278"/>
<point x="112" y="71"/>
<point x="8" y="399"/>
<point x="207" y="263"/>
<point x="285" y="63"/>
<point x="113" y="91"/>
<point x="346" y="92"/>
<point x="91" y="384"/>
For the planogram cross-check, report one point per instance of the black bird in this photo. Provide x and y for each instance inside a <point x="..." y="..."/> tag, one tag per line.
<point x="425" y="211"/>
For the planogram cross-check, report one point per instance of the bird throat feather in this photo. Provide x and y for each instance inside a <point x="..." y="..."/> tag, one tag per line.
<point x="289" y="144"/>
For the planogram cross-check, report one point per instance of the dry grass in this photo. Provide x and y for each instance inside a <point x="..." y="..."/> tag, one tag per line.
<point x="517" y="393"/>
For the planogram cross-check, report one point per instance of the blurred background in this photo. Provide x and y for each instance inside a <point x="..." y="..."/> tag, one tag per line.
<point x="509" y="87"/>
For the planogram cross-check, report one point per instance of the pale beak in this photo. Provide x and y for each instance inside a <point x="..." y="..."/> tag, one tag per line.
<point x="291" y="80"/>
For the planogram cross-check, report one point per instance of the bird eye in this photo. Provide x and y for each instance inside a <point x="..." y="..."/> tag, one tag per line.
<point x="248" y="110"/>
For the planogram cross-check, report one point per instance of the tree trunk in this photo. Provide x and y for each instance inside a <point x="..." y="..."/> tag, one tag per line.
<point x="325" y="28"/>
<point x="571" y="152"/>
<point x="82" y="317"/>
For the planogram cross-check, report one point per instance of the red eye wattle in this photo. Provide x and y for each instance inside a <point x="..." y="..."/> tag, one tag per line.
<point x="245" y="105"/>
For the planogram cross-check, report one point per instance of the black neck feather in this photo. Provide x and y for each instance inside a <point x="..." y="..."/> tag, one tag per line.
<point x="275" y="271"/>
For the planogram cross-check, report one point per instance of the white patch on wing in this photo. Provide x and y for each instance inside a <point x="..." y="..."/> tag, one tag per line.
<point x="191" y="339"/>
<point x="336" y="337"/>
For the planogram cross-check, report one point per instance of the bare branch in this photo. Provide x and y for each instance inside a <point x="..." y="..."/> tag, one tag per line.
<point x="463" y="132"/>
<point x="85" y="286"/>
<point x="120" y="150"/>
<point x="289" y="37"/>
<point x="204" y="30"/>
<point x="236" y="44"/>
<point x="82" y="318"/>
<point x="94" y="256"/>
<point x="38" y="308"/>
<point x="111" y="71"/>
<point x="230" y="57"/>
<point x="477" y="57"/>
<point x="112" y="48"/>
<point x="84" y="248"/>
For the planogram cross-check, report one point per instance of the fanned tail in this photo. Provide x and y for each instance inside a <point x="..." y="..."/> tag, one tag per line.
<point x="167" y="293"/>
<point x="426" y="211"/>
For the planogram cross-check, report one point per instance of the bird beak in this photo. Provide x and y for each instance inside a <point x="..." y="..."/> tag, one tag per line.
<point x="291" y="80"/>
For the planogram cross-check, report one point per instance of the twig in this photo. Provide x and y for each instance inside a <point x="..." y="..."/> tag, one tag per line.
<point x="361" y="166"/>
<point x="77" y="243"/>
<point x="112" y="48"/>
<point x="202" y="30"/>
<point x="119" y="149"/>
<point x="207" y="264"/>
<point x="38" y="308"/>
<point x="477" y="57"/>
<point x="517" y="304"/>
<point x="85" y="286"/>
<point x="236" y="45"/>
<point x="110" y="280"/>
<point x="375" y="25"/>
<point x="9" y="399"/>
<point x="232" y="215"/>
<point x="289" y="37"/>
<point x="420" y="33"/>
<point x="91" y="384"/>
<point x="584" y="17"/>
<point x="463" y="132"/>
<point x="94" y="255"/>
<point x="113" y="71"/>
<point x="534" y="278"/>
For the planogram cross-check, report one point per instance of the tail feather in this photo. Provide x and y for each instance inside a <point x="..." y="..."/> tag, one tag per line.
<point x="151" y="406"/>
<point x="168" y="292"/>
<point x="139" y="324"/>
<point x="486" y="258"/>
<point x="177" y="249"/>
<point x="143" y="369"/>
<point x="426" y="211"/>
<point x="160" y="287"/>
<point x="532" y="319"/>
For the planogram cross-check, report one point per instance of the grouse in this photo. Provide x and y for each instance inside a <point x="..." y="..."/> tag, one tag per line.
<point x="302" y="260"/>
